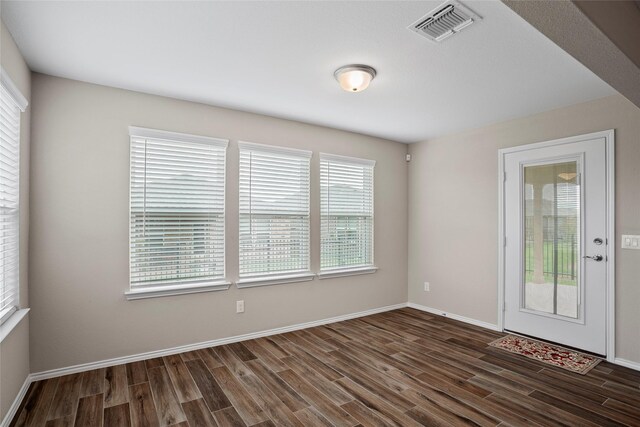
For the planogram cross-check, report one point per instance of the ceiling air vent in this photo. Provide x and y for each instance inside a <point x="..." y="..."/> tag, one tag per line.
<point x="444" y="21"/>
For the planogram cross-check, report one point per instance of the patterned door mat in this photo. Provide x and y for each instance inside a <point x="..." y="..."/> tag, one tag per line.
<point x="550" y="354"/>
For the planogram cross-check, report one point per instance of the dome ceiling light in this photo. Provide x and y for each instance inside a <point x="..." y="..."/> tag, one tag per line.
<point x="355" y="77"/>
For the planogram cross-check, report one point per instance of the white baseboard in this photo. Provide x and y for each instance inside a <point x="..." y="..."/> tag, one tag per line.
<point x="16" y="402"/>
<point x="453" y="316"/>
<point x="181" y="349"/>
<point x="627" y="363"/>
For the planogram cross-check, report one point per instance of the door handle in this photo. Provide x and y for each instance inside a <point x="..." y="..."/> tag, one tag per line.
<point x="595" y="257"/>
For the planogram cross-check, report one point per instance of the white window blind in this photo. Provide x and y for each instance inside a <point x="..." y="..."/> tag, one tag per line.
<point x="346" y="212"/>
<point x="177" y="210"/>
<point x="274" y="210"/>
<point x="11" y="104"/>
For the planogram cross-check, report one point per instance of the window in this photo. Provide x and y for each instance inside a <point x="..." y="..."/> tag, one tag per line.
<point x="176" y="213"/>
<point x="274" y="214"/>
<point x="11" y="104"/>
<point x="346" y="215"/>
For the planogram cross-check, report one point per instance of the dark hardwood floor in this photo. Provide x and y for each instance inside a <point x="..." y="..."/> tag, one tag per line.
<point x="399" y="368"/>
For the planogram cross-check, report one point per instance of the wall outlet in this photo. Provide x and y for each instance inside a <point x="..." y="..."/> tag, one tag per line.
<point x="240" y="306"/>
<point x="426" y="287"/>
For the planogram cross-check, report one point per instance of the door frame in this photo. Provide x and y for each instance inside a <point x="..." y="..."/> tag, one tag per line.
<point x="609" y="136"/>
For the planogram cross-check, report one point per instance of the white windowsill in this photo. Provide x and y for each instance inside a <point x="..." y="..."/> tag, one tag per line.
<point x="12" y="322"/>
<point x="251" y="282"/>
<point x="329" y="274"/>
<point x="165" y="291"/>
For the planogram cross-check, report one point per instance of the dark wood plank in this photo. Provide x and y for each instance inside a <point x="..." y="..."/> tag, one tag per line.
<point x="136" y="373"/>
<point x="427" y="418"/>
<point x="242" y="352"/>
<point x="632" y="411"/>
<point x="334" y="413"/>
<point x="385" y="387"/>
<point x="198" y="415"/>
<point x="286" y="394"/>
<point x="589" y="415"/>
<point x="213" y="394"/>
<point x="242" y="401"/>
<point x="92" y="382"/>
<point x="167" y="404"/>
<point x="228" y="417"/>
<point x="265" y="356"/>
<point x="375" y="403"/>
<point x="117" y="416"/>
<point x="66" y="398"/>
<point x="156" y="362"/>
<point x="272" y="346"/>
<point x="539" y="411"/>
<point x="379" y="358"/>
<point x="183" y="384"/>
<point x="210" y="358"/>
<point x="474" y="400"/>
<point x="323" y="384"/>
<point x="89" y="413"/>
<point x="142" y="407"/>
<point x="67" y="421"/>
<point x="366" y="416"/>
<point x="190" y="355"/>
<point x="446" y="408"/>
<point x="116" y="388"/>
<point x="34" y="408"/>
<point x="312" y="362"/>
<point x="311" y="417"/>
<point x="267" y="399"/>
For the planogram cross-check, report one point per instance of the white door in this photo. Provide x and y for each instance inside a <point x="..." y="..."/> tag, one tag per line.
<point x="555" y="255"/>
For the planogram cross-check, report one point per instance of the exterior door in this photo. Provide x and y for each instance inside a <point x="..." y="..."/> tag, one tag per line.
<point x="555" y="257"/>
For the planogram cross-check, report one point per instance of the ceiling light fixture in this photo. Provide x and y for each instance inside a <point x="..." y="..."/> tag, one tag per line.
<point x="355" y="77"/>
<point x="567" y="176"/>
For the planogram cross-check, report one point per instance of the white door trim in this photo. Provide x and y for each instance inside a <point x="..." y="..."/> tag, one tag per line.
<point x="609" y="136"/>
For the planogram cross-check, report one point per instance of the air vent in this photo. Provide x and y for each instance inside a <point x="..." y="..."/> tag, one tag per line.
<point x="444" y="21"/>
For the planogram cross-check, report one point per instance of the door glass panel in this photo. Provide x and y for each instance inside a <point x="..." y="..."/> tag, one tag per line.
<point x="552" y="238"/>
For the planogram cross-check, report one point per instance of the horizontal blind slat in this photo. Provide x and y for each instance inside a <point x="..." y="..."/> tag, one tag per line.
<point x="346" y="213"/>
<point x="274" y="212"/>
<point x="9" y="201"/>
<point x="177" y="212"/>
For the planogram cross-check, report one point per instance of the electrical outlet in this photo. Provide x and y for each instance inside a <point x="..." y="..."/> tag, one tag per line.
<point x="426" y="287"/>
<point x="240" y="306"/>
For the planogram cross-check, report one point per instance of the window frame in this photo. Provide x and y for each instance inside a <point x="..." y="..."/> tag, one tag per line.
<point x="177" y="288"/>
<point x="340" y="271"/>
<point x="18" y="101"/>
<point x="281" y="277"/>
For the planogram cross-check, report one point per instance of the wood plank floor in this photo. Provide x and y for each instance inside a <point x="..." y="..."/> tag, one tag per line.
<point x="399" y="368"/>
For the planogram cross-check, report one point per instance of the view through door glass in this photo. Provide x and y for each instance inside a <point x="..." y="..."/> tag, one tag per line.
<point x="552" y="238"/>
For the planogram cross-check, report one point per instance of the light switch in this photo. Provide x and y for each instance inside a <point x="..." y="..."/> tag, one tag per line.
<point x="630" y="241"/>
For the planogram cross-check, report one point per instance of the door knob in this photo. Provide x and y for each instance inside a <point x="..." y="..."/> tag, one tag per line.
<point x="595" y="257"/>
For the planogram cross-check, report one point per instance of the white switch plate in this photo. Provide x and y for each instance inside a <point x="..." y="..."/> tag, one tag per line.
<point x="240" y="306"/>
<point x="426" y="287"/>
<point x="630" y="241"/>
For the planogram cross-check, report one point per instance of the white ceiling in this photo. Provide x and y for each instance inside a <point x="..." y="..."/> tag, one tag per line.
<point x="278" y="58"/>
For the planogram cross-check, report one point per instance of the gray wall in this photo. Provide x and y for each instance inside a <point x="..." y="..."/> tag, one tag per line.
<point x="79" y="220"/>
<point x="14" y="350"/>
<point x="453" y="211"/>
